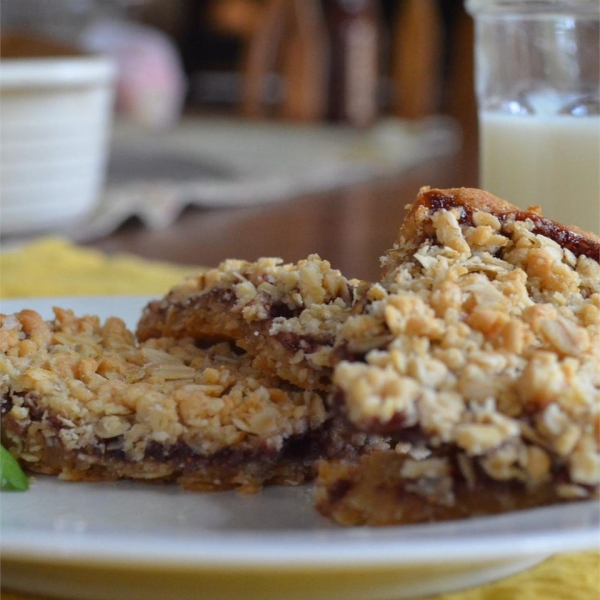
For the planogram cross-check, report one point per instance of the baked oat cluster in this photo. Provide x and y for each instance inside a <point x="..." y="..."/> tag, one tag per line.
<point x="479" y="353"/>
<point x="286" y="316"/>
<point x="83" y="400"/>
<point x="465" y="381"/>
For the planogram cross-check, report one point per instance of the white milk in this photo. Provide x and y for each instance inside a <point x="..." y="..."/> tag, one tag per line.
<point x="553" y="162"/>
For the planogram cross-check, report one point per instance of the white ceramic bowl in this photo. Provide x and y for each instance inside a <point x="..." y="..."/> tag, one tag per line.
<point x="54" y="121"/>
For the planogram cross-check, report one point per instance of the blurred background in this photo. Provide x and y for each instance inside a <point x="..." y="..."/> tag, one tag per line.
<point x="220" y="45"/>
<point x="194" y="130"/>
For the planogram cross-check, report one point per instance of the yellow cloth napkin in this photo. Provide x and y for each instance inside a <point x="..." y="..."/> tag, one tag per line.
<point x="54" y="267"/>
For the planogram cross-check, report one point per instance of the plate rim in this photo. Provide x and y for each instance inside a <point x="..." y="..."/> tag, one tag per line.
<point x="344" y="547"/>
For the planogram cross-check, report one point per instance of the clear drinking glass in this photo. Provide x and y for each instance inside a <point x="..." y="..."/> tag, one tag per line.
<point x="538" y="90"/>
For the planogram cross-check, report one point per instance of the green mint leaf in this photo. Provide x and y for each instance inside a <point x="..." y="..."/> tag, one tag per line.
<point x="11" y="475"/>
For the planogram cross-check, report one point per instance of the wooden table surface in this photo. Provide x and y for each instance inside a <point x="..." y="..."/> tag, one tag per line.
<point x="350" y="227"/>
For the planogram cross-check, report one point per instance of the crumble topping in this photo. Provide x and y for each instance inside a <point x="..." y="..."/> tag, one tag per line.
<point x="295" y="286"/>
<point x="92" y="390"/>
<point x="285" y="315"/>
<point x="488" y="338"/>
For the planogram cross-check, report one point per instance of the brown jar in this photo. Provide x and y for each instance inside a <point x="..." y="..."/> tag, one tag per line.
<point x="354" y="36"/>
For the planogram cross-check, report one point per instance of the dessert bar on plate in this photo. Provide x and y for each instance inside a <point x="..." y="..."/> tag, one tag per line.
<point x="284" y="315"/>
<point x="466" y="381"/>
<point x="83" y="400"/>
<point x="487" y="371"/>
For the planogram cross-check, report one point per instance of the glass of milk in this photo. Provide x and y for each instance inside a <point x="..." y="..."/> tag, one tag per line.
<point x="538" y="90"/>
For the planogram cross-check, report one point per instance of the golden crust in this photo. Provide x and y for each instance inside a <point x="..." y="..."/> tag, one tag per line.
<point x="416" y="226"/>
<point x="480" y="200"/>
<point x="377" y="490"/>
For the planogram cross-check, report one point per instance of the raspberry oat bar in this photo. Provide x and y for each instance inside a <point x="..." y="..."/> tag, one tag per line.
<point x="82" y="400"/>
<point x="286" y="316"/>
<point x="479" y="354"/>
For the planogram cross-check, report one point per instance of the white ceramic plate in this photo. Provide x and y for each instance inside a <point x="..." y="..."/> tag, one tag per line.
<point x="142" y="541"/>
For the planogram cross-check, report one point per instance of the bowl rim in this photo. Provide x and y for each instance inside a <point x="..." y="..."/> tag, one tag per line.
<point x="67" y="71"/>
